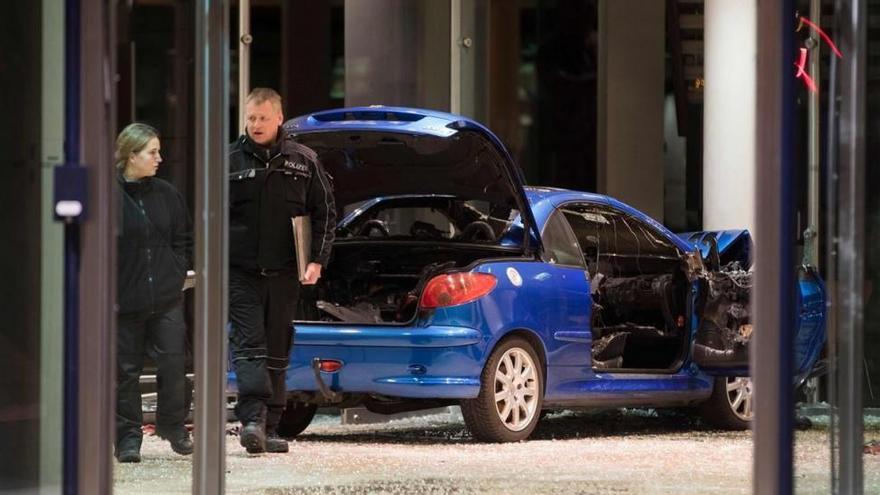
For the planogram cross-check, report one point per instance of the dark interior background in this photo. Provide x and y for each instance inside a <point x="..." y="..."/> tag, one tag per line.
<point x="20" y="198"/>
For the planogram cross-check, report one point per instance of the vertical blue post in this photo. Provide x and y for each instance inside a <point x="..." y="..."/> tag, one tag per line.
<point x="71" y="251"/>
<point x="772" y="360"/>
<point x="787" y="260"/>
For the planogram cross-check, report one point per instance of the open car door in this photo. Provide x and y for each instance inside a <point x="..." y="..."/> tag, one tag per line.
<point x="723" y="309"/>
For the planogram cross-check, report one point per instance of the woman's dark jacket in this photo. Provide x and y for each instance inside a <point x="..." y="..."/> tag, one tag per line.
<point x="154" y="245"/>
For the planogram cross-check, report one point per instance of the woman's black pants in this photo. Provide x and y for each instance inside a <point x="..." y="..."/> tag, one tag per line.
<point x="162" y="336"/>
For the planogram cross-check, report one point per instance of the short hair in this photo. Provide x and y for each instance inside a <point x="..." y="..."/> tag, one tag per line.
<point x="260" y="95"/>
<point x="134" y="138"/>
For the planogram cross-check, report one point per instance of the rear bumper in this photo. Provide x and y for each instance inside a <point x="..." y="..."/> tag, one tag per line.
<point x="434" y="362"/>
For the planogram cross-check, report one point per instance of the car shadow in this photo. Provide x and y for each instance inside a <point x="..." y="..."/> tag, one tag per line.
<point x="563" y="425"/>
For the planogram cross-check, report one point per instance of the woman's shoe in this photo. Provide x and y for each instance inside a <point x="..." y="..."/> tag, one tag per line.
<point x="129" y="455"/>
<point x="182" y="445"/>
<point x="179" y="440"/>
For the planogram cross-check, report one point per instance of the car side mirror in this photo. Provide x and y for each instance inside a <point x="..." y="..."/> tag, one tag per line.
<point x="712" y="259"/>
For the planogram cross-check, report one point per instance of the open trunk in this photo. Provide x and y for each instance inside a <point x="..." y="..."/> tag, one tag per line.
<point x="379" y="282"/>
<point x="417" y="193"/>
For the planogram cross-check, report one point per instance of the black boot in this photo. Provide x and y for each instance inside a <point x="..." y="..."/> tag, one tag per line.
<point x="180" y="441"/>
<point x="129" y="450"/>
<point x="130" y="455"/>
<point x="252" y="438"/>
<point x="275" y="443"/>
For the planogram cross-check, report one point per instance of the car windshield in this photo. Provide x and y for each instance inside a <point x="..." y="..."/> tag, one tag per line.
<point x="438" y="218"/>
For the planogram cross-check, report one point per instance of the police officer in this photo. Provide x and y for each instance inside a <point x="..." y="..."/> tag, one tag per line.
<point x="272" y="179"/>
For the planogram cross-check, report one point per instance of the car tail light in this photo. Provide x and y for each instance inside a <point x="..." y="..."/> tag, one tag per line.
<point x="452" y="289"/>
<point x="330" y="365"/>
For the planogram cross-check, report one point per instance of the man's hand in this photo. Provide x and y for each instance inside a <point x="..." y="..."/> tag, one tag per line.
<point x="312" y="274"/>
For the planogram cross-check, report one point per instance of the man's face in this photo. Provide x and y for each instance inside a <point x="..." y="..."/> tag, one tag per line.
<point x="262" y="121"/>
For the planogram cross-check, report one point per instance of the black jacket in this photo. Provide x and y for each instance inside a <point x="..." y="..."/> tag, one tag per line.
<point x="154" y="245"/>
<point x="268" y="187"/>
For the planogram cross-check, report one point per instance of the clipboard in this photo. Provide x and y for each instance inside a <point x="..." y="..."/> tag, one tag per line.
<point x="302" y="242"/>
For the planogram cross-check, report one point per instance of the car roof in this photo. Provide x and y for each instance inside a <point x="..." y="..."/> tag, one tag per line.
<point x="545" y="199"/>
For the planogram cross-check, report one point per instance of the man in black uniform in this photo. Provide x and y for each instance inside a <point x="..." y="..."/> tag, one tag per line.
<point x="272" y="179"/>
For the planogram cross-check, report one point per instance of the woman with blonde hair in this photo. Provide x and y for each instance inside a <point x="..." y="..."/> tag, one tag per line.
<point x="154" y="244"/>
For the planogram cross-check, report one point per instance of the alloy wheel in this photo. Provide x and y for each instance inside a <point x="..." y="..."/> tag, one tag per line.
<point x="740" y="396"/>
<point x="516" y="389"/>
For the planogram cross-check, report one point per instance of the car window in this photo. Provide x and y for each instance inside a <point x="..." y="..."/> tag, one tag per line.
<point x="652" y="242"/>
<point x="560" y="245"/>
<point x="593" y="231"/>
<point x="617" y="244"/>
<point x="413" y="220"/>
<point x="416" y="217"/>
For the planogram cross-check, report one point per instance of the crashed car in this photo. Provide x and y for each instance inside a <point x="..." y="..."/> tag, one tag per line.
<point x="453" y="283"/>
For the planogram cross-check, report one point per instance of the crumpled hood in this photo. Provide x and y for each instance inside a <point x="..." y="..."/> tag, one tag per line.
<point x="733" y="245"/>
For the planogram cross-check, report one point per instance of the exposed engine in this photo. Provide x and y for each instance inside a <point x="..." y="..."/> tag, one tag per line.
<point x="725" y="328"/>
<point x="640" y="322"/>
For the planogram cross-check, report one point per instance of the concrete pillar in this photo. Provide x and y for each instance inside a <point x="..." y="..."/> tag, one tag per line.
<point x="51" y="254"/>
<point x="397" y="53"/>
<point x="729" y="114"/>
<point x="630" y="103"/>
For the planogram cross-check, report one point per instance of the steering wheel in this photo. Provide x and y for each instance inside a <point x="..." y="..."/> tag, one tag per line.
<point x="375" y="224"/>
<point x="478" y="231"/>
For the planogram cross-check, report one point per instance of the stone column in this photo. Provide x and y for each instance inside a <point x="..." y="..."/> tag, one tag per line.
<point x="630" y="103"/>
<point x="729" y="115"/>
<point x="397" y="53"/>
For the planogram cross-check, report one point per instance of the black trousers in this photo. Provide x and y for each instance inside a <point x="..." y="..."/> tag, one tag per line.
<point x="162" y="335"/>
<point x="261" y="309"/>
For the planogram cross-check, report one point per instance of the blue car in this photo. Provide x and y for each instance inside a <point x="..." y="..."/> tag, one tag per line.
<point x="453" y="283"/>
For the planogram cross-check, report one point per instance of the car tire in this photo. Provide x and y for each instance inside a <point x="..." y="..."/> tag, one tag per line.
<point x="511" y="394"/>
<point x="731" y="405"/>
<point x="296" y="417"/>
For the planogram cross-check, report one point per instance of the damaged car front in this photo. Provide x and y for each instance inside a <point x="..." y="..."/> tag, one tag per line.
<point x="725" y="331"/>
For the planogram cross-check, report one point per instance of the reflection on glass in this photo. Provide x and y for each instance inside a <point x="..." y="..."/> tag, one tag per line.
<point x="872" y="266"/>
<point x="154" y="246"/>
<point x="154" y="196"/>
<point x="556" y="97"/>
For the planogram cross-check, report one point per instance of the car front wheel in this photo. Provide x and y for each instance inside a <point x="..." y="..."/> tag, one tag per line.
<point x="731" y="405"/>
<point x="511" y="393"/>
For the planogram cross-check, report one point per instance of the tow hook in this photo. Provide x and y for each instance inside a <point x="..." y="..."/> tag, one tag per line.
<point x="330" y="395"/>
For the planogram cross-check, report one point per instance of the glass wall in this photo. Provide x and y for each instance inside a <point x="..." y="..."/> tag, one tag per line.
<point x="841" y="403"/>
<point x="30" y="406"/>
<point x="872" y="215"/>
<point x="534" y="83"/>
<point x="544" y="71"/>
<point x="155" y="190"/>
<point x="558" y="73"/>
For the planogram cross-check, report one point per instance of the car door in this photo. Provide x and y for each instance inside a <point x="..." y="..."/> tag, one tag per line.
<point x="638" y="289"/>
